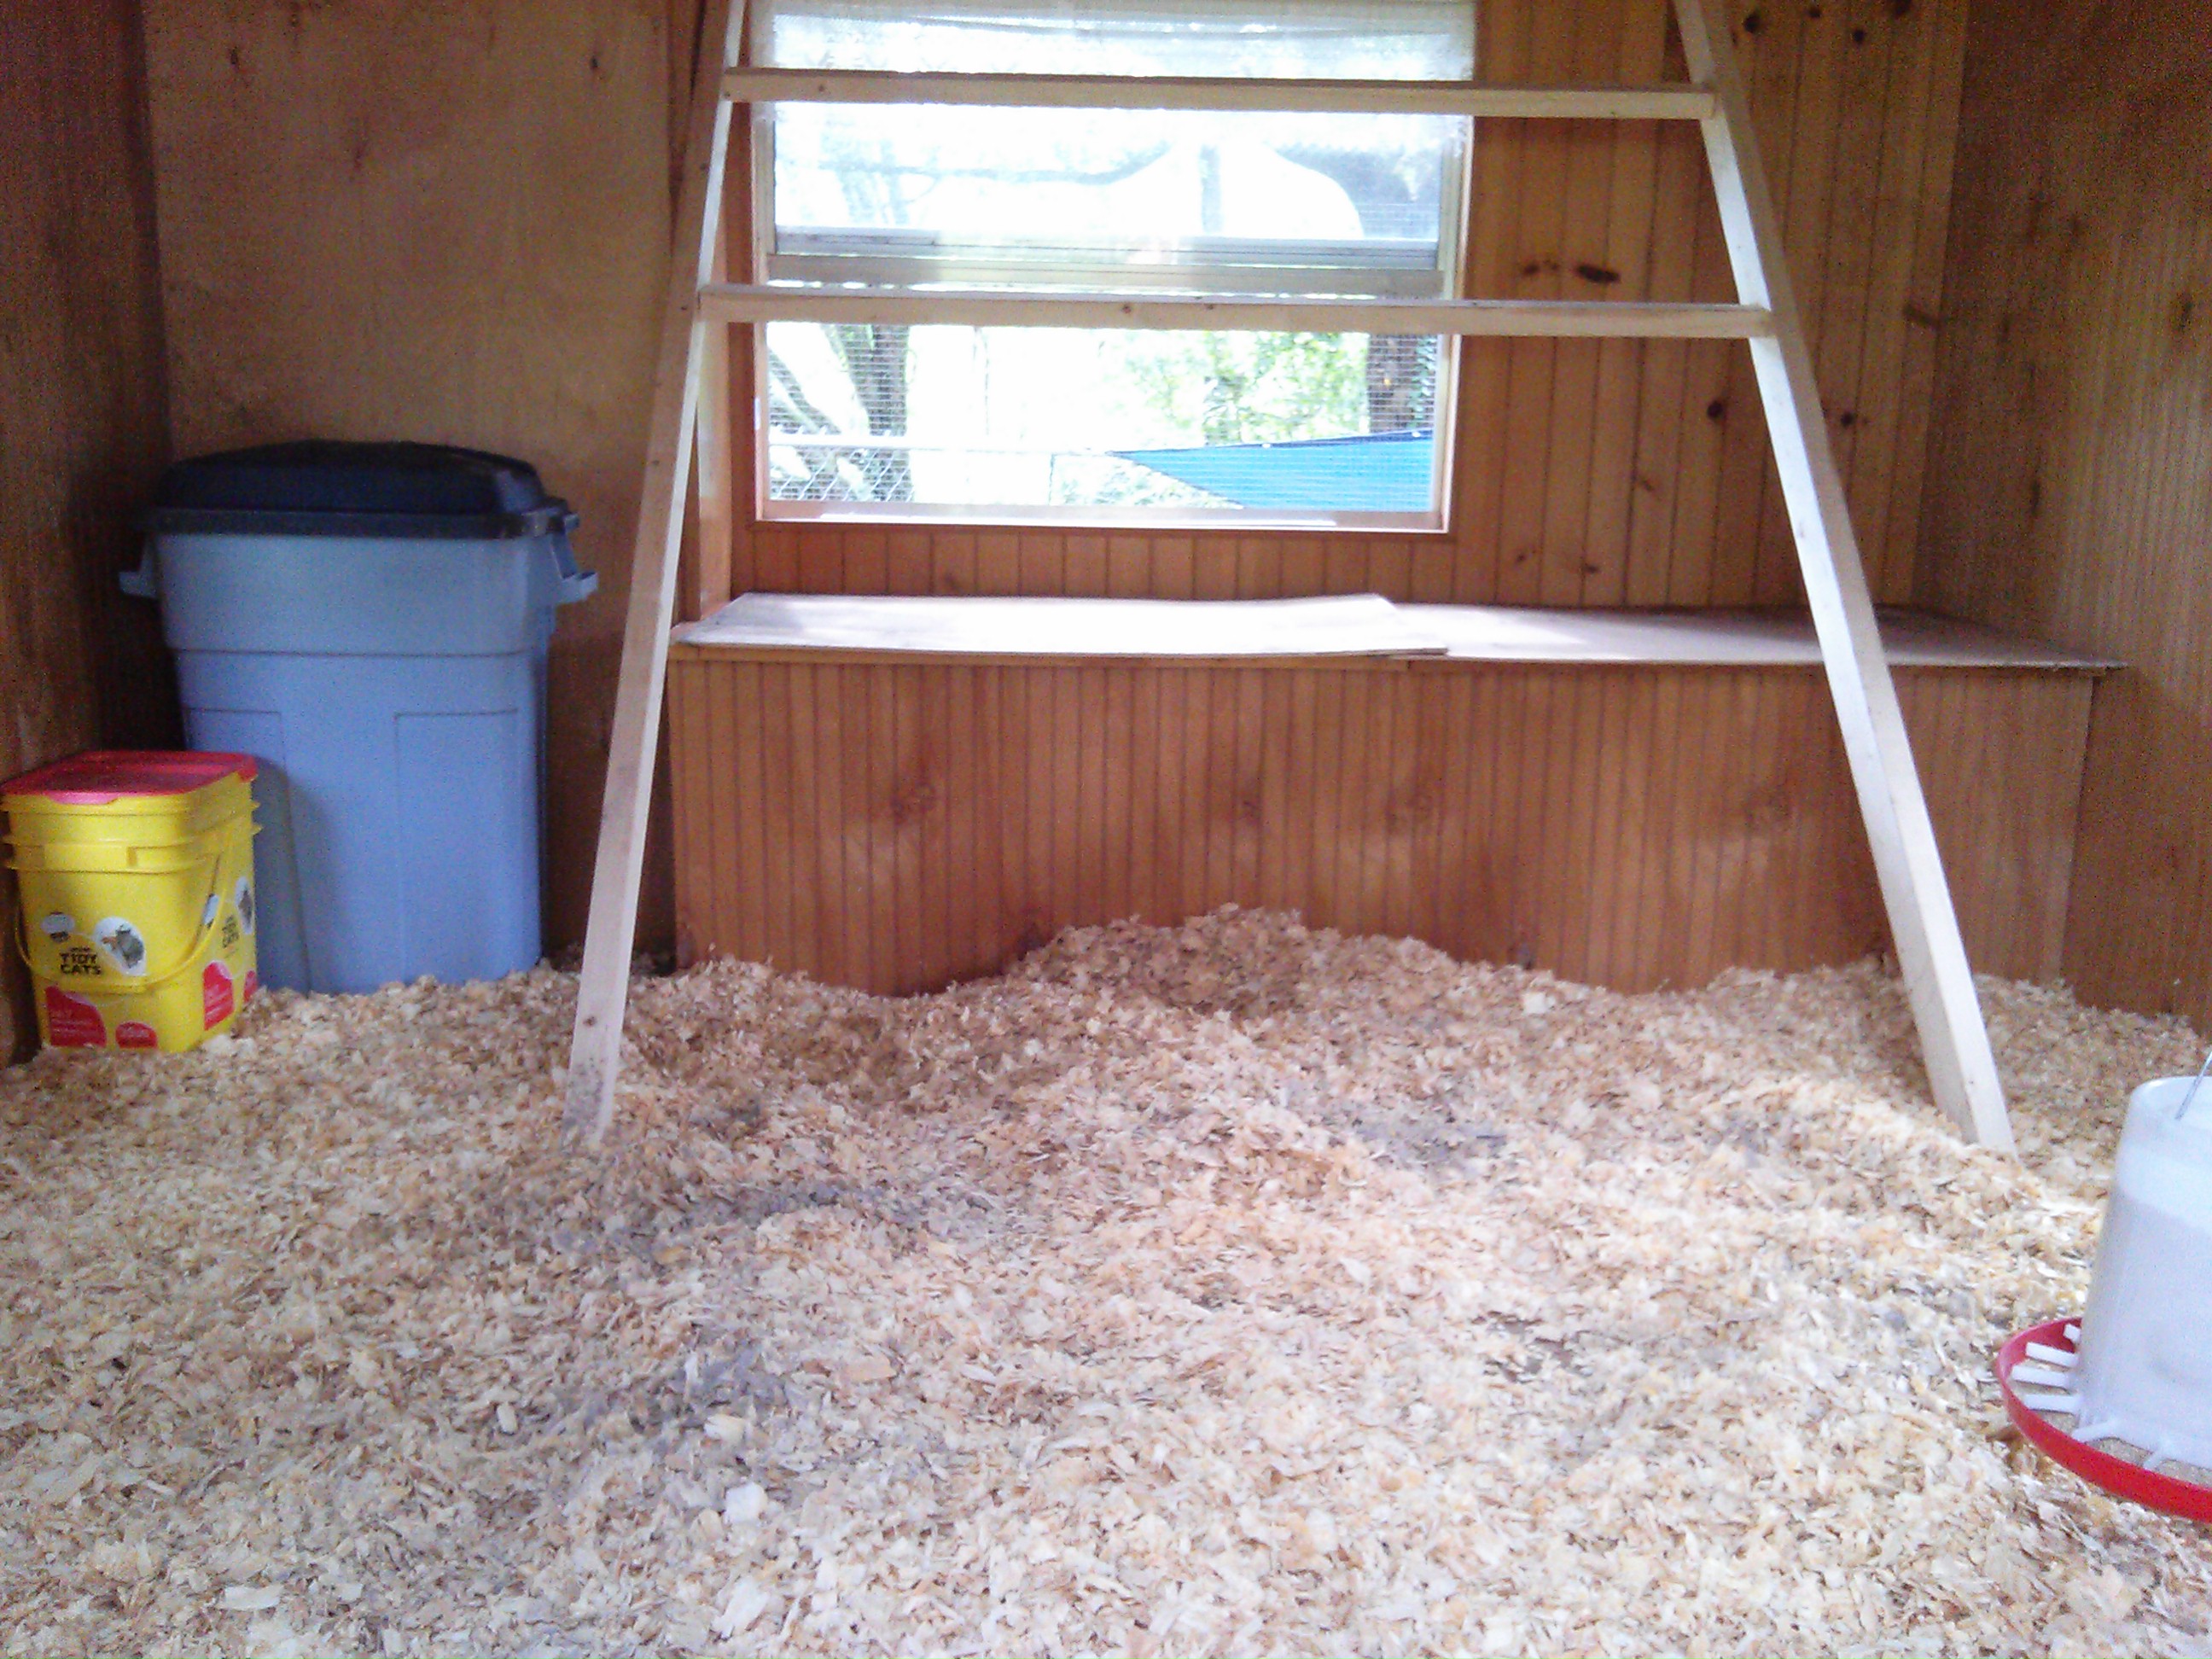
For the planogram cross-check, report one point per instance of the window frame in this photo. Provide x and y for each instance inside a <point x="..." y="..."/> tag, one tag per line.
<point x="1446" y="279"/>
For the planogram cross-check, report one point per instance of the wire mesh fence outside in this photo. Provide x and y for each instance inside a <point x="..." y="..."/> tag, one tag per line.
<point x="952" y="417"/>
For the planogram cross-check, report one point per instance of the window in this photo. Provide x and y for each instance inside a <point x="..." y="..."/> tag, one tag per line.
<point x="928" y="419"/>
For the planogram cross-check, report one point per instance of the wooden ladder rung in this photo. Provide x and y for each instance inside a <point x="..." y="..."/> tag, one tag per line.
<point x="1664" y="101"/>
<point x="736" y="302"/>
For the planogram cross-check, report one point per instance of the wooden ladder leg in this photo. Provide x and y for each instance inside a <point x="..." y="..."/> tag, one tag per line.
<point x="611" y="934"/>
<point x="1954" y="1043"/>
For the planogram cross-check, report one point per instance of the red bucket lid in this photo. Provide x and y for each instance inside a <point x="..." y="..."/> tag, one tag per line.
<point x="99" y="776"/>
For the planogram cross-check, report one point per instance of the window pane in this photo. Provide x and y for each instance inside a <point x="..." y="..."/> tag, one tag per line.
<point x="1278" y="426"/>
<point x="1353" y="39"/>
<point x="1171" y="191"/>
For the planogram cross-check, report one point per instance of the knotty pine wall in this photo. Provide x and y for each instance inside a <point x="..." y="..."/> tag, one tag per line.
<point x="81" y="414"/>
<point x="2072" y="488"/>
<point x="894" y="825"/>
<point x="451" y="223"/>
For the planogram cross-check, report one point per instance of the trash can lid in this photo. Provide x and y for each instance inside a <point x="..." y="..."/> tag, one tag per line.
<point x="323" y="488"/>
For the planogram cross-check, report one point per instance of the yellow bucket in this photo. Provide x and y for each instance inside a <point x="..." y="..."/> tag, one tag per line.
<point x="136" y="872"/>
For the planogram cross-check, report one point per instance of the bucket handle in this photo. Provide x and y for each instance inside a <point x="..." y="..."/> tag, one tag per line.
<point x="152" y="982"/>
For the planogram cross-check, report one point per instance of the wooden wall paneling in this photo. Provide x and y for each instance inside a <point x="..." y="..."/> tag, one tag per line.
<point x="1774" y="932"/>
<point x="1431" y="563"/>
<point x="2072" y="455"/>
<point x="1363" y="859"/>
<point x="952" y="562"/>
<point x="1624" y="269"/>
<point x="1006" y="707"/>
<point x="82" y="404"/>
<point x="788" y="559"/>
<point x="1082" y="564"/>
<point x="1923" y="309"/>
<point x="828" y="828"/>
<point x="1128" y="566"/>
<point x="1723" y="822"/>
<point x="877" y="891"/>
<point x="1162" y="856"/>
<point x="1692" y="856"/>
<point x="1426" y="718"/>
<point x="779" y="554"/>
<point x="1389" y="564"/>
<point x="1875" y="438"/>
<point x="1042" y="567"/>
<point x="778" y="693"/>
<point x="998" y="561"/>
<point x="907" y="562"/>
<point x="1175" y="567"/>
<point x="1540" y="222"/>
<point x="1304" y="561"/>
<point x="808" y="787"/>
<point x="1141" y="723"/>
<point x="1826" y="847"/>
<point x="1566" y="903"/>
<point x="1630" y="825"/>
<point x="1448" y="912"/>
<point x="695" y="839"/>
<point x="854" y="962"/>
<point x="1656" y="472"/>
<point x="1849" y="36"/>
<point x="1937" y="37"/>
<point x="945" y="919"/>
<point x="1623" y="908"/>
<point x="966" y="761"/>
<point x="1801" y="176"/>
<point x="1570" y="484"/>
<point x="901" y="802"/>
<point x="1329" y="825"/>
<point x="1085" y="687"/>
<point x="1864" y="435"/>
<point x="1401" y="800"/>
<point x="1210" y="785"/>
<point x="1767" y="56"/>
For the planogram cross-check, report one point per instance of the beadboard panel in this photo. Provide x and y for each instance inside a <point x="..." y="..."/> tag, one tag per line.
<point x="895" y="825"/>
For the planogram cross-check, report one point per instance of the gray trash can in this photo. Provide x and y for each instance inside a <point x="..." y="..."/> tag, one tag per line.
<point x="370" y="622"/>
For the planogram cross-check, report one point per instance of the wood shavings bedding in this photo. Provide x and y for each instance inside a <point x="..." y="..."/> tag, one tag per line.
<point x="1227" y="1289"/>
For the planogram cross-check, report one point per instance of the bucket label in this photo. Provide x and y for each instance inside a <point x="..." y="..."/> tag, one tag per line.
<point x="242" y="900"/>
<point x="121" y="943"/>
<point x="253" y="984"/>
<point x="77" y="960"/>
<point x="217" y="1002"/>
<point x="136" y="1034"/>
<point x="57" y="926"/>
<point x="73" y="1023"/>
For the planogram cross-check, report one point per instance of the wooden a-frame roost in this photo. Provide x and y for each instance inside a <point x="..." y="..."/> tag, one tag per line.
<point x="1939" y="985"/>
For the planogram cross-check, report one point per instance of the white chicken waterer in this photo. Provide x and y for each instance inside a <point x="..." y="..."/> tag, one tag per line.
<point x="2142" y="1372"/>
<point x="2134" y="1373"/>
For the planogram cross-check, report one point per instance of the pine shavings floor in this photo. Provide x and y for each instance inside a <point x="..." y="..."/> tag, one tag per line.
<point x="1231" y="1289"/>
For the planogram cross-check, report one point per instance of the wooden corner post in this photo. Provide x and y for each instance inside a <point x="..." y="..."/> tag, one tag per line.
<point x="611" y="931"/>
<point x="1954" y="1043"/>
